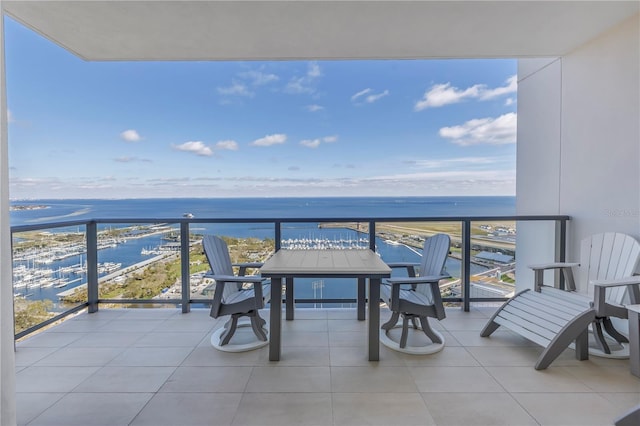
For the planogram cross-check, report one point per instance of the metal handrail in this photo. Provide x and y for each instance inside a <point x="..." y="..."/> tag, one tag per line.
<point x="94" y="301"/>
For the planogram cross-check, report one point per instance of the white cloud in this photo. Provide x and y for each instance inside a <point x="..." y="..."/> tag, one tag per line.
<point x="304" y="84"/>
<point x="453" y="162"/>
<point x="368" y="96"/>
<point x="314" y="108"/>
<point x="314" y="143"/>
<point x="130" y="136"/>
<point x="493" y="131"/>
<point x="196" y="147"/>
<point x="311" y="143"/>
<point x="445" y="94"/>
<point x="373" y="98"/>
<point x="270" y="140"/>
<point x="258" y="78"/>
<point x="131" y="160"/>
<point x="236" y="89"/>
<point x="299" y="85"/>
<point x="10" y="118"/>
<point x="314" y="70"/>
<point x="509" y="101"/>
<point x="229" y="145"/>
<point x="510" y="87"/>
<point x="360" y="93"/>
<point x="240" y="85"/>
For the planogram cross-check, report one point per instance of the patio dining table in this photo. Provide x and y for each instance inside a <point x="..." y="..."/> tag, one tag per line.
<point x="360" y="264"/>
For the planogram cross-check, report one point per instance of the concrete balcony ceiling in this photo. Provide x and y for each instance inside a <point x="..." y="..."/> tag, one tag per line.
<point x="253" y="30"/>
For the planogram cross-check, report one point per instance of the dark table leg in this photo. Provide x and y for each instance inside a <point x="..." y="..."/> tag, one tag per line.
<point x="275" y="317"/>
<point x="374" y="319"/>
<point x="361" y="298"/>
<point x="290" y="301"/>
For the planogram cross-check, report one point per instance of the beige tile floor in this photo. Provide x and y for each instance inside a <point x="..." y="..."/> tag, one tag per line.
<point x="157" y="367"/>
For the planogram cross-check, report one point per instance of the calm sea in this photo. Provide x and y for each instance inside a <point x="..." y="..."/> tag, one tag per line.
<point x="62" y="210"/>
<point x="130" y="253"/>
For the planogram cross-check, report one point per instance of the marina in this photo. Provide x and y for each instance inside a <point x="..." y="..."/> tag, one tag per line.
<point x="48" y="264"/>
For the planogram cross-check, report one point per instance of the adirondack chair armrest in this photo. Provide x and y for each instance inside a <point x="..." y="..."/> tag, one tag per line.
<point x="554" y="265"/>
<point x="410" y="266"/>
<point x="567" y="271"/>
<point x="245" y="265"/>
<point x="600" y="287"/>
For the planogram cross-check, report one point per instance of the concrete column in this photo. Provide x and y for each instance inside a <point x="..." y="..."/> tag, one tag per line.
<point x="7" y="354"/>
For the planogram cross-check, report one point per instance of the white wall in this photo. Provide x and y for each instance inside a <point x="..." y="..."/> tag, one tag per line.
<point x="579" y="142"/>
<point x="7" y="355"/>
<point x="538" y="162"/>
<point x="600" y="170"/>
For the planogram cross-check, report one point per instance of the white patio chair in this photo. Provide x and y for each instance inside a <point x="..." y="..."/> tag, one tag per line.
<point x="417" y="297"/>
<point x="554" y="318"/>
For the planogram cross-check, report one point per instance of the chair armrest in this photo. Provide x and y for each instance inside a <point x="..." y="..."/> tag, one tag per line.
<point x="401" y="264"/>
<point x="600" y="288"/>
<point x="554" y="265"/>
<point x="566" y="271"/>
<point x="416" y="280"/>
<point x="245" y="265"/>
<point x="249" y="264"/>
<point x="410" y="267"/>
<point x="617" y="282"/>
<point x="237" y="279"/>
<point x="432" y="280"/>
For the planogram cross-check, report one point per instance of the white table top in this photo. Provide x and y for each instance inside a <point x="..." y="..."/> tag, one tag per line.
<point x="325" y="263"/>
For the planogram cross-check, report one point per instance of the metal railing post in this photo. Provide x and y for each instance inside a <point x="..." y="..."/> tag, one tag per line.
<point x="560" y="248"/>
<point x="92" y="266"/>
<point x="466" y="265"/>
<point x="184" y="267"/>
<point x="372" y="235"/>
<point x="278" y="235"/>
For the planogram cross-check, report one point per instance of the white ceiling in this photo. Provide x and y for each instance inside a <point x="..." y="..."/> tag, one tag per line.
<point x="239" y="30"/>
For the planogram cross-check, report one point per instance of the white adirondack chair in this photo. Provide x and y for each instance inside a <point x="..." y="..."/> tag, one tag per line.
<point x="231" y="298"/>
<point x="554" y="318"/>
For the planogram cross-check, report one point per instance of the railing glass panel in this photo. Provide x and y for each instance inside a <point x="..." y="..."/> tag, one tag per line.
<point x="46" y="261"/>
<point x="60" y="268"/>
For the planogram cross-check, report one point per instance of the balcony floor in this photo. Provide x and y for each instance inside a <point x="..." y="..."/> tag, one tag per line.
<point x="157" y="367"/>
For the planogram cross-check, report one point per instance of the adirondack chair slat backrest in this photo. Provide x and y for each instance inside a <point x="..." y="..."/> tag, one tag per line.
<point x="217" y="253"/>
<point x="434" y="256"/>
<point x="608" y="256"/>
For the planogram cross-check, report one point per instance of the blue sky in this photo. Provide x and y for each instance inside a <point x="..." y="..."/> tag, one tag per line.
<point x="238" y="129"/>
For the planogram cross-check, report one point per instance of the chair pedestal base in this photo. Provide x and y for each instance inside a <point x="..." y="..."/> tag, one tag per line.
<point x="242" y="346"/>
<point x="414" y="350"/>
<point x="618" y="350"/>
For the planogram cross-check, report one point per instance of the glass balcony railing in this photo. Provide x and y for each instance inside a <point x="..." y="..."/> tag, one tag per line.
<point x="61" y="268"/>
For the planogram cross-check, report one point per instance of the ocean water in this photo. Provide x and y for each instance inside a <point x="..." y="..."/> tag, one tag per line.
<point x="129" y="253"/>
<point x="165" y="208"/>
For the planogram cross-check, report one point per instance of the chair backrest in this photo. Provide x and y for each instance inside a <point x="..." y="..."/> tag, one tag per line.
<point x="608" y="256"/>
<point x="434" y="256"/>
<point x="217" y="253"/>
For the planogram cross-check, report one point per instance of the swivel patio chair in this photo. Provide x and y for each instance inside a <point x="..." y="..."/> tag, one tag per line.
<point x="232" y="297"/>
<point x="417" y="297"/>
<point x="554" y="318"/>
